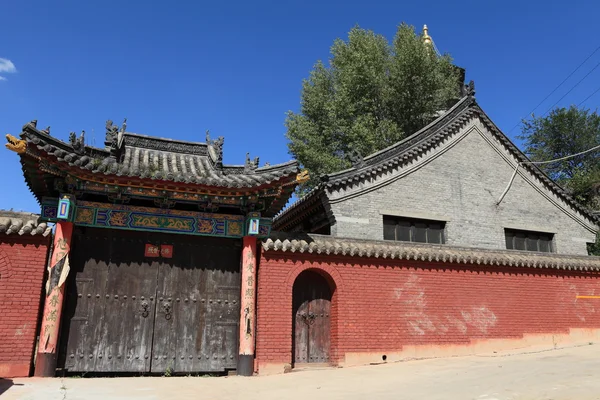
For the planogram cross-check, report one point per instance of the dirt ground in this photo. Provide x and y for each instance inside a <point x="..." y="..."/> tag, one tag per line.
<point x="572" y="373"/>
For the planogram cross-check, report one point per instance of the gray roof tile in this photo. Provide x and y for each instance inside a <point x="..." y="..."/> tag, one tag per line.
<point x="22" y="223"/>
<point x="335" y="246"/>
<point x="160" y="159"/>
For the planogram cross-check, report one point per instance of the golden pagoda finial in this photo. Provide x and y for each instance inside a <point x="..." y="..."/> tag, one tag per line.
<point x="426" y="37"/>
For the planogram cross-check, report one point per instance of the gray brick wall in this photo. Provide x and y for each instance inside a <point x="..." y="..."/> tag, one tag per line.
<point x="460" y="182"/>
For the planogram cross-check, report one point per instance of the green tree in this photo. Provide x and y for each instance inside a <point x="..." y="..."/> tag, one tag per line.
<point x="562" y="133"/>
<point x="371" y="95"/>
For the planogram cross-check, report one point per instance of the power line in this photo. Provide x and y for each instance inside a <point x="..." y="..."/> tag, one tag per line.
<point x="512" y="178"/>
<point x="556" y="88"/>
<point x="587" y="98"/>
<point x="562" y="158"/>
<point x="570" y="90"/>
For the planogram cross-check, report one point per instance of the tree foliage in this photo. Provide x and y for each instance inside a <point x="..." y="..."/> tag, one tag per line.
<point x="564" y="132"/>
<point x="370" y="96"/>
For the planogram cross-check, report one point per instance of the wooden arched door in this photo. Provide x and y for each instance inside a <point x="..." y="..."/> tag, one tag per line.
<point x="311" y="316"/>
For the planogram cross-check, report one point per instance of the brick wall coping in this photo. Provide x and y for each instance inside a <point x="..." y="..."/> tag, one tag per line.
<point x="328" y="245"/>
<point x="23" y="223"/>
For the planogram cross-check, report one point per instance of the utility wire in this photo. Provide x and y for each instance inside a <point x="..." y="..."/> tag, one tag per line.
<point x="570" y="90"/>
<point x="562" y="158"/>
<point x="512" y="178"/>
<point x="556" y="88"/>
<point x="587" y="98"/>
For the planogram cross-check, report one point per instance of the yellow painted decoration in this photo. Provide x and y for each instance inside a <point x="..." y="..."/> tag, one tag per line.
<point x="118" y="218"/>
<point x="235" y="228"/>
<point x="588" y="297"/>
<point x="302" y="177"/>
<point x="19" y="146"/>
<point x="84" y="216"/>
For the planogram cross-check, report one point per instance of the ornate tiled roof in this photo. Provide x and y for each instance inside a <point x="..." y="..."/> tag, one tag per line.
<point x="22" y="223"/>
<point x="139" y="168"/>
<point x="133" y="155"/>
<point x="419" y="143"/>
<point x="327" y="245"/>
<point x="309" y="199"/>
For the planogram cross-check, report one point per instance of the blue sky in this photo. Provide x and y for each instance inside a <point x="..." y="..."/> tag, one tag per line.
<point x="177" y="68"/>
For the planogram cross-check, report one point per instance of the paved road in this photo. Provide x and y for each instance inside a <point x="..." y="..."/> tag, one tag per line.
<point x="572" y="373"/>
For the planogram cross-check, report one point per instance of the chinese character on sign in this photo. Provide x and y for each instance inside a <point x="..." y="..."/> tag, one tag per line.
<point x="151" y="251"/>
<point x="166" y="250"/>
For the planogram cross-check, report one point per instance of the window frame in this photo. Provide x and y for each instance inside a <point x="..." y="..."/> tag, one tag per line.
<point x="527" y="238"/>
<point x="430" y="226"/>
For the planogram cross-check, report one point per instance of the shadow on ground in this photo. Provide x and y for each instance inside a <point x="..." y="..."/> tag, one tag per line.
<point x="5" y="384"/>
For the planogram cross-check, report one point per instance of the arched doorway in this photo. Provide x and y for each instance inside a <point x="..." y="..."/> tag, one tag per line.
<point x="311" y="319"/>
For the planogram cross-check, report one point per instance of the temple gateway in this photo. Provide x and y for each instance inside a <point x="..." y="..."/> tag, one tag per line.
<point x="154" y="253"/>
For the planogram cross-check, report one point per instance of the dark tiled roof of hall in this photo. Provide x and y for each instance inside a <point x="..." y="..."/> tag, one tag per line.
<point x="419" y="143"/>
<point x="135" y="155"/>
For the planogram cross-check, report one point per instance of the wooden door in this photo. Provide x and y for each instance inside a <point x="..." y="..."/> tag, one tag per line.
<point x="110" y="303"/>
<point x="197" y="313"/>
<point x="311" y="308"/>
<point x="129" y="313"/>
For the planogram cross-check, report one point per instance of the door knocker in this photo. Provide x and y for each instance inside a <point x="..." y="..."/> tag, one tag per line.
<point x="167" y="310"/>
<point x="309" y="318"/>
<point x="145" y="311"/>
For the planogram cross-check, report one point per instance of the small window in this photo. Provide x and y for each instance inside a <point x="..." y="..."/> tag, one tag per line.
<point x="529" y="240"/>
<point x="413" y="230"/>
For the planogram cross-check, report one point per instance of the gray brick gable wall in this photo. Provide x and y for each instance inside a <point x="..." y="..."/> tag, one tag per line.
<point x="459" y="182"/>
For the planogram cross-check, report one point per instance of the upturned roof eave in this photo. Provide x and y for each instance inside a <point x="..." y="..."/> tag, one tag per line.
<point x="393" y="150"/>
<point x="304" y="203"/>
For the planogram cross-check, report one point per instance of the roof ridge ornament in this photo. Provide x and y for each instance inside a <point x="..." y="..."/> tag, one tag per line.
<point x="217" y="145"/>
<point x="302" y="177"/>
<point x="17" y="145"/>
<point x="31" y="124"/>
<point x="468" y="90"/>
<point x="78" y="144"/>
<point x="356" y="158"/>
<point x="113" y="139"/>
<point x="250" y="165"/>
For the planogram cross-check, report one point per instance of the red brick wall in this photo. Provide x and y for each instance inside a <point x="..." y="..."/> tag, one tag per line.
<point x="382" y="306"/>
<point x="22" y="264"/>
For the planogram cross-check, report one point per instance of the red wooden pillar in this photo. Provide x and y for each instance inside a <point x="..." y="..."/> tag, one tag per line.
<point x="247" y="306"/>
<point x="55" y="288"/>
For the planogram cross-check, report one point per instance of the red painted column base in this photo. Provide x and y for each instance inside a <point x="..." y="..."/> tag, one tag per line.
<point x="45" y="365"/>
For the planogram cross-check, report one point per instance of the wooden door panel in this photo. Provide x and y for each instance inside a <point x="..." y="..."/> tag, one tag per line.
<point x="301" y="334"/>
<point x="319" y="330"/>
<point x="84" y="311"/>
<point x="202" y="283"/>
<point x="126" y="340"/>
<point x="110" y="306"/>
<point x="312" y="327"/>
